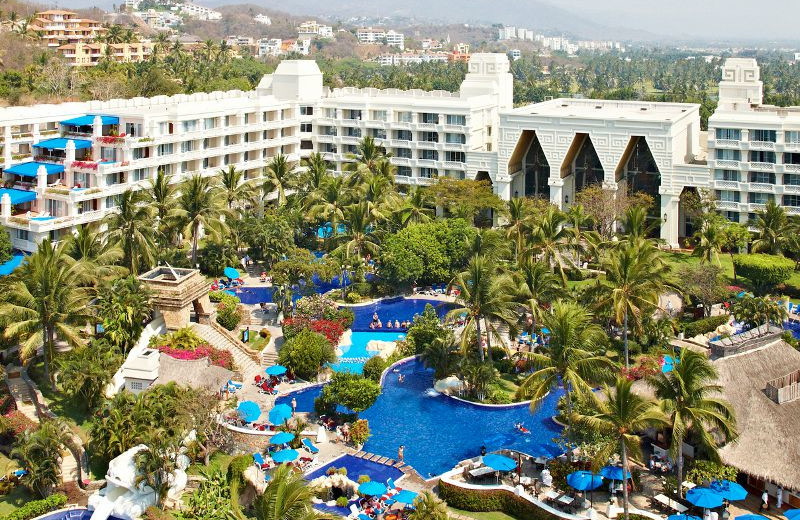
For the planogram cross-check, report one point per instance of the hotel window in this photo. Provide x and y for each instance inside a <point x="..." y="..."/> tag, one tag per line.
<point x="352" y="132"/>
<point x="306" y="128"/>
<point x="428" y="173"/>
<point x="726" y="175"/>
<point x="354" y="114"/>
<point x="762" y="177"/>
<point x="453" y="119"/>
<point x="455" y="138"/>
<point x="165" y="149"/>
<point x="190" y="126"/>
<point x="306" y="111"/>
<point x="108" y="154"/>
<point x="727" y="155"/>
<point x="732" y="216"/>
<point x="187" y="146"/>
<point x="760" y="198"/>
<point x="762" y="156"/>
<point x="306" y="145"/>
<point x="184" y="166"/>
<point x="430" y="155"/>
<point x="728" y="196"/>
<point x="205" y="163"/>
<point x="210" y="123"/>
<point x="379" y="115"/>
<point x="430" y="137"/>
<point x="732" y="134"/>
<point x="331" y="113"/>
<point x="23" y="234"/>
<point x="403" y="171"/>
<point x="133" y="129"/>
<point x="404" y="153"/>
<point x="246" y="137"/>
<point x="791" y="200"/>
<point x="378" y="133"/>
<point x="403" y="117"/>
<point x="792" y="137"/>
<point x="763" y="135"/>
<point x="229" y="120"/>
<point x="791" y="158"/>
<point x="168" y="169"/>
<point x="791" y="179"/>
<point x="112" y="201"/>
<point x="226" y="159"/>
<point x="455" y="156"/>
<point x="227" y="140"/>
<point x="206" y="143"/>
<point x="139" y="174"/>
<point x="429" y="118"/>
<point x="403" y="135"/>
<point x="165" y="128"/>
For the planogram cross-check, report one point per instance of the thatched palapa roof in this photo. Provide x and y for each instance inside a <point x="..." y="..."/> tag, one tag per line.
<point x="769" y="433"/>
<point x="197" y="373"/>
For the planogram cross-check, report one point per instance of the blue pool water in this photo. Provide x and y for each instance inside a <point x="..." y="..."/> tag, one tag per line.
<point x="439" y="431"/>
<point x="305" y="398"/>
<point x="73" y="514"/>
<point x="793" y="327"/>
<point x="256" y="295"/>
<point x="354" y="356"/>
<point x="400" y="309"/>
<point x="356" y="467"/>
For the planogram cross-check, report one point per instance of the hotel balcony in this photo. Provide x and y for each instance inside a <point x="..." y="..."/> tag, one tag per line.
<point x="760" y="166"/>
<point x="762" y="145"/>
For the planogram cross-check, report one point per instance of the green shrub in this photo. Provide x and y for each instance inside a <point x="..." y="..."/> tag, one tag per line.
<point x="344" y="316"/>
<point x="491" y="500"/>
<point x="306" y="354"/>
<point x="363" y="288"/>
<point x="704" y="325"/>
<point x="38" y="507"/>
<point x="229" y="314"/>
<point x="789" y="338"/>
<point x="363" y="478"/>
<point x="359" y="432"/>
<point x="574" y="275"/>
<point x="764" y="271"/>
<point x="341" y="502"/>
<point x="264" y="333"/>
<point x="217" y="296"/>
<point x="5" y="246"/>
<point x="706" y="471"/>
<point x="497" y="396"/>
<point x="353" y="297"/>
<point x="374" y="367"/>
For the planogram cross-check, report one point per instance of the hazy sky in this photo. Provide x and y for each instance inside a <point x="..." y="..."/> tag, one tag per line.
<point x="739" y="19"/>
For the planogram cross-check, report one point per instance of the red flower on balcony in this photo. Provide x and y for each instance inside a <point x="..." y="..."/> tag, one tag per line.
<point x="86" y="165"/>
<point x="110" y="139"/>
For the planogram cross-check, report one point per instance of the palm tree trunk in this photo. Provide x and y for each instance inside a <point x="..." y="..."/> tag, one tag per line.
<point x="734" y="267"/>
<point x="47" y="351"/>
<point x="625" y="338"/>
<point x="679" y="466"/>
<point x="568" y="397"/>
<point x="478" y="334"/>
<point x="625" y="471"/>
<point x="195" y="232"/>
<point x="488" y="340"/>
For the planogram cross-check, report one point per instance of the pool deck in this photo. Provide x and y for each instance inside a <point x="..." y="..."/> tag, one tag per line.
<point x="411" y="479"/>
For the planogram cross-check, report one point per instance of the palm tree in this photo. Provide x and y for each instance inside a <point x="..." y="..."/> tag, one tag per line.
<point x="577" y="219"/>
<point x="359" y="239"/>
<point x="690" y="399"/>
<point x="636" y="274"/>
<point x="636" y="225"/>
<point x="484" y="295"/>
<point x="234" y="188"/>
<point x="620" y="415"/>
<point x="428" y="507"/>
<point x="478" y="376"/>
<point x="123" y="306"/>
<point x="161" y="195"/>
<point x="328" y="203"/>
<point x="364" y="161"/>
<point x="550" y="239"/>
<point x="571" y="358"/>
<point x="441" y="355"/>
<point x="316" y="172"/>
<point x="199" y="206"/>
<point x="87" y="247"/>
<point x="710" y="239"/>
<point x="287" y="497"/>
<point x="40" y="452"/>
<point x="131" y="229"/>
<point x="519" y="223"/>
<point x="44" y="302"/>
<point x="773" y="229"/>
<point x="157" y="461"/>
<point x="416" y="207"/>
<point x="536" y="286"/>
<point x="280" y="176"/>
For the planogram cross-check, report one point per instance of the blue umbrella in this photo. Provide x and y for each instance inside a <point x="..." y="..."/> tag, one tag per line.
<point x="704" y="497"/>
<point x="285" y="456"/>
<point x="280" y="413"/>
<point x="281" y="438"/>
<point x="545" y="330"/>
<point x="499" y="462"/>
<point x="729" y="490"/>
<point x="614" y="473"/>
<point x="231" y="273"/>
<point x="406" y="497"/>
<point x="372" y="488"/>
<point x="669" y="364"/>
<point x="792" y="514"/>
<point x="683" y="517"/>
<point x="249" y="411"/>
<point x="751" y="517"/>
<point x="584" y="480"/>
<point x="276" y="370"/>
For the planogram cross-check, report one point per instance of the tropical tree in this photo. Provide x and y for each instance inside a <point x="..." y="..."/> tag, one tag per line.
<point x="485" y="295"/>
<point x="280" y="176"/>
<point x="416" y="207"/>
<point x="636" y="273"/>
<point x="86" y="371"/>
<point x="199" y="207"/>
<point x="40" y="451"/>
<point x="636" y="223"/>
<point x="234" y="188"/>
<point x="736" y="238"/>
<point x="428" y="507"/>
<point x="328" y="203"/>
<point x="710" y="239"/>
<point x="43" y="302"/>
<point x="123" y="306"/>
<point x="161" y="195"/>
<point x="774" y="229"/>
<point x="754" y="312"/>
<point x="518" y="226"/>
<point x="359" y="238"/>
<point x="364" y="161"/>
<point x="287" y="497"/>
<point x="619" y="416"/>
<point x="316" y="173"/>
<point x="130" y="228"/>
<point x="156" y="462"/>
<point x="537" y="286"/>
<point x="98" y="259"/>
<point x="478" y="376"/>
<point x="577" y="219"/>
<point x="441" y="355"/>
<point x="550" y="239"/>
<point x="571" y="358"/>
<point x="690" y="399"/>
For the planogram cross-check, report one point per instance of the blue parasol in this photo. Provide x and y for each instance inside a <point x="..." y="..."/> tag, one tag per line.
<point x="281" y="438"/>
<point x="704" y="497"/>
<point x="285" y="456"/>
<point x="372" y="488"/>
<point x="614" y="473"/>
<point x="406" y="496"/>
<point x="276" y="370"/>
<point x="231" y="273"/>
<point x="729" y="490"/>
<point x="499" y="462"/>
<point x="280" y="413"/>
<point x="249" y="411"/>
<point x="584" y="480"/>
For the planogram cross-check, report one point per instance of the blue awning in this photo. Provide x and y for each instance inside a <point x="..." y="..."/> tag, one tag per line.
<point x="8" y="267"/>
<point x="29" y="169"/>
<point x="18" y="196"/>
<point x="88" y="120"/>
<point x="59" y="143"/>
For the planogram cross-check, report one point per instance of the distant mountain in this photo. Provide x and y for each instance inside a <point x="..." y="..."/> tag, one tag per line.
<point x="531" y="14"/>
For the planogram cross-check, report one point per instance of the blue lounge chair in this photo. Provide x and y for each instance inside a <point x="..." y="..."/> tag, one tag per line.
<point x="309" y="446"/>
<point x="391" y="486"/>
<point x="362" y="516"/>
<point x="258" y="459"/>
<point x="236" y="384"/>
<point x="267" y="477"/>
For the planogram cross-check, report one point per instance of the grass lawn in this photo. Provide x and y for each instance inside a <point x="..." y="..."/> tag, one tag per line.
<point x="218" y="460"/>
<point x="508" y="383"/>
<point x="257" y="343"/>
<point x="493" y="515"/>
<point x="18" y="497"/>
<point x="71" y="411"/>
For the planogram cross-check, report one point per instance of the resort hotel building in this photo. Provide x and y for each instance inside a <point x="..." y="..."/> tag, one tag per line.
<point x="65" y="165"/>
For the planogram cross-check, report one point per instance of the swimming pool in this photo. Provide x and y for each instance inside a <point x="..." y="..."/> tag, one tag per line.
<point x="73" y="514"/>
<point x="793" y="327"/>
<point x="438" y="431"/>
<point x="305" y="398"/>
<point x="400" y="309"/>
<point x="356" y="354"/>
<point x="255" y="295"/>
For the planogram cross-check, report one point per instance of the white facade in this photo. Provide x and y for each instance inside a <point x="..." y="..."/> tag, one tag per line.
<point x="262" y="19"/>
<point x="396" y="39"/>
<point x="407" y="58"/>
<point x="753" y="149"/>
<point x="199" y="11"/>
<point x="313" y="29"/>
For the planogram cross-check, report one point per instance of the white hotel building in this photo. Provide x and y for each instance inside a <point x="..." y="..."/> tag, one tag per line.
<point x="65" y="165"/>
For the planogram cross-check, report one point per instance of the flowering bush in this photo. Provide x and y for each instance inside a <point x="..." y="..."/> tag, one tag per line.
<point x="19" y="422"/>
<point x="332" y="330"/>
<point x="87" y="165"/>
<point x="220" y="358"/>
<point x="228" y="313"/>
<point x="647" y="367"/>
<point x="315" y="307"/>
<point x="110" y="139"/>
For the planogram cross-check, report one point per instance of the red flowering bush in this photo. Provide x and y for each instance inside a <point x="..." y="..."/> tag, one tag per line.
<point x="331" y="329"/>
<point x="19" y="422"/>
<point x="647" y="367"/>
<point x="221" y="358"/>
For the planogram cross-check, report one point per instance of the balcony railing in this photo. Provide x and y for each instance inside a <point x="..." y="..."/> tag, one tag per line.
<point x="762" y="186"/>
<point x="727" y="163"/>
<point x="762" y="145"/>
<point x="762" y="166"/>
<point x="726" y="185"/>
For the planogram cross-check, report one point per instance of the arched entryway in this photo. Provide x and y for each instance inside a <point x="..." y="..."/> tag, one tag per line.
<point x="637" y="172"/>
<point x="581" y="167"/>
<point x="529" y="167"/>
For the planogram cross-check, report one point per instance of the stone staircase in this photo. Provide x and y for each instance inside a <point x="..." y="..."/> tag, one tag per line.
<point x="247" y="366"/>
<point x="22" y="395"/>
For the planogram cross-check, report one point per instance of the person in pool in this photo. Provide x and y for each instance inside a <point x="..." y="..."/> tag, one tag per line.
<point x="389" y="324"/>
<point x="396" y="324"/>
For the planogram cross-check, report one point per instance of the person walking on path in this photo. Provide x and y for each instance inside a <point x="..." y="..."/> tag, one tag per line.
<point x="764" y="501"/>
